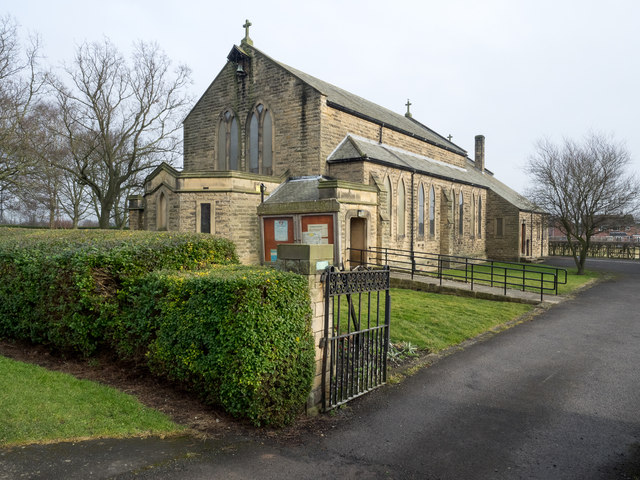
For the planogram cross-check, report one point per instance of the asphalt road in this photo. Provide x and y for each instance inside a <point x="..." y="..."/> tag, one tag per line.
<point x="557" y="397"/>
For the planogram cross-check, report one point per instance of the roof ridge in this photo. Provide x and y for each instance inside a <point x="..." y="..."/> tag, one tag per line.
<point x="359" y="104"/>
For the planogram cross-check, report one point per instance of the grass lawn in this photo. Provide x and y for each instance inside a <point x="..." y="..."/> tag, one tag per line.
<point x="575" y="281"/>
<point x="38" y="405"/>
<point x="435" y="321"/>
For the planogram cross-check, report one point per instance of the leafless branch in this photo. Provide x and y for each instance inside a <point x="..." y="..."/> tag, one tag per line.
<point x="580" y="184"/>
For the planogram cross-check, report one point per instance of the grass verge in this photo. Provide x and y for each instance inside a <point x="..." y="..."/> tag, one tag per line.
<point x="575" y="281"/>
<point x="434" y="321"/>
<point x="39" y="406"/>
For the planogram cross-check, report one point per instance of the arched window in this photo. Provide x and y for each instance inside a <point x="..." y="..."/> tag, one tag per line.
<point x="479" y="217"/>
<point x="260" y="141"/>
<point x="387" y="186"/>
<point x="432" y="211"/>
<point x="401" y="208"/>
<point x="161" y="212"/>
<point x="228" y="142"/>
<point x="473" y="214"/>
<point x="421" y="210"/>
<point x="460" y="213"/>
<point x="453" y="208"/>
<point x="389" y="202"/>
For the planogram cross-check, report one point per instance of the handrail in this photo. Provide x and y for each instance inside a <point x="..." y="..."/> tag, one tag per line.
<point x="532" y="277"/>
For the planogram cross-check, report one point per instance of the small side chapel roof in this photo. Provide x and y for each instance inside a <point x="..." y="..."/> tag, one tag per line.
<point x="337" y="97"/>
<point x="297" y="189"/>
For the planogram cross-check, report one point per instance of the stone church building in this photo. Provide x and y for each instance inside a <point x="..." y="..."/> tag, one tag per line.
<point x="273" y="155"/>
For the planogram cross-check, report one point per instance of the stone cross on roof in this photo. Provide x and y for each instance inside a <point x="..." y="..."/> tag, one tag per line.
<point x="246" y="38"/>
<point x="408" y="104"/>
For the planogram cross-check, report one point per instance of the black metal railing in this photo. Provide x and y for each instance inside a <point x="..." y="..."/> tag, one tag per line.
<point x="475" y="271"/>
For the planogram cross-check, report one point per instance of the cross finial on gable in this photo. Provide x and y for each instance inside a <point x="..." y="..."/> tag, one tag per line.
<point x="450" y="137"/>
<point x="408" y="104"/>
<point x="246" y="38"/>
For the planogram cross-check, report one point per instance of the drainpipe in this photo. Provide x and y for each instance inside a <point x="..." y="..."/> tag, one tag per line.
<point x="531" y="235"/>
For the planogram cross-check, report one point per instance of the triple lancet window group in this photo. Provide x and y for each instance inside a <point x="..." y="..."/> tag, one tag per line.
<point x="258" y="143"/>
<point x="426" y="210"/>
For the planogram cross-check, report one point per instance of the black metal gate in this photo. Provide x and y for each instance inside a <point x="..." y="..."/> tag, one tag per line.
<point x="356" y="333"/>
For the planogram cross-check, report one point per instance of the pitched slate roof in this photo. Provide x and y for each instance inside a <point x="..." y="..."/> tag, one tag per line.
<point x="354" y="148"/>
<point x="299" y="189"/>
<point x="340" y="98"/>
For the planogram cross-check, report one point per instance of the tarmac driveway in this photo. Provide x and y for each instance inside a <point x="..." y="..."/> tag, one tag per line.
<point x="555" y="397"/>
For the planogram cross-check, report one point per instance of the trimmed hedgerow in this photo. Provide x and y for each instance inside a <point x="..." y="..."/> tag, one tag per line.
<point x="238" y="336"/>
<point x="62" y="287"/>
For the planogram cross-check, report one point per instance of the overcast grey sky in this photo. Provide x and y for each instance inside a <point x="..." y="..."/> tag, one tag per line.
<point x="512" y="70"/>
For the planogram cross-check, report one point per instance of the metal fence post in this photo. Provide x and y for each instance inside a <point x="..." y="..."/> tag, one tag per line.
<point x="492" y="272"/>
<point x="466" y="267"/>
<point x="505" y="281"/>
<point x="413" y="265"/>
<point x="472" y="276"/>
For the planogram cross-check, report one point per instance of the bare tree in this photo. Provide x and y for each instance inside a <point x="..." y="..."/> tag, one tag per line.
<point x="20" y="84"/>
<point x="580" y="184"/>
<point x="74" y="199"/>
<point x="120" y="119"/>
<point x="47" y="180"/>
<point x="7" y="203"/>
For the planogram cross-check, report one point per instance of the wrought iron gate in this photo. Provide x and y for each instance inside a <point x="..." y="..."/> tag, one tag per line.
<point x="356" y="333"/>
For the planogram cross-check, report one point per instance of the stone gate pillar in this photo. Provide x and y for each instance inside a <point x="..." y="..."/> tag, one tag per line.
<point x="310" y="260"/>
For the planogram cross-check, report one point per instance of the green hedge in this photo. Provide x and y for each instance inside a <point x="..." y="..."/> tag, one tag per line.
<point x="238" y="336"/>
<point x="61" y="287"/>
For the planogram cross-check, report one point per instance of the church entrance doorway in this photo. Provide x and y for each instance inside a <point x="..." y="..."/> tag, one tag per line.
<point x="357" y="241"/>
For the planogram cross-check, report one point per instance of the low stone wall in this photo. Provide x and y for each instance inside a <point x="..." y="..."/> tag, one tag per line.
<point x="463" y="291"/>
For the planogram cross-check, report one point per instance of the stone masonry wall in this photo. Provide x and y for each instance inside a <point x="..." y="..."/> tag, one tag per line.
<point x="151" y="209"/>
<point x="233" y="216"/>
<point x="507" y="245"/>
<point x="234" y="201"/>
<point x="467" y="244"/>
<point x="535" y="237"/>
<point x="295" y="110"/>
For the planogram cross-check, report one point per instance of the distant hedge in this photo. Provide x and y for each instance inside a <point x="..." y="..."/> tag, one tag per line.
<point x="61" y="287"/>
<point x="238" y="336"/>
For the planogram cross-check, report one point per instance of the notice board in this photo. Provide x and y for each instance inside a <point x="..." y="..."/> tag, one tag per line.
<point x="276" y="231"/>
